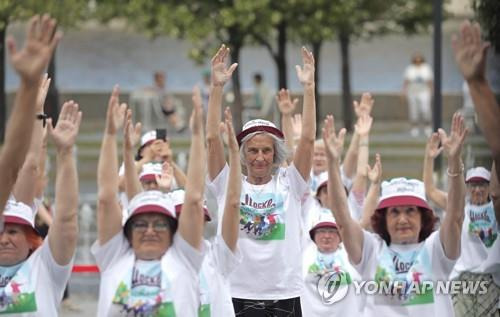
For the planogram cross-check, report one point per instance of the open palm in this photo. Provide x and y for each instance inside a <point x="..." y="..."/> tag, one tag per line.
<point x="66" y="130"/>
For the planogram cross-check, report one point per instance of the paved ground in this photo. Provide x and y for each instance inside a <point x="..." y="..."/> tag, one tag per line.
<point x="84" y="290"/>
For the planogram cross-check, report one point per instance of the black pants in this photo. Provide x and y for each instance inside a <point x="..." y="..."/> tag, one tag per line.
<point x="267" y="308"/>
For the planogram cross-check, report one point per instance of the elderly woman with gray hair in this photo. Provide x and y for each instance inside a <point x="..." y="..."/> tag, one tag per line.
<point x="269" y="277"/>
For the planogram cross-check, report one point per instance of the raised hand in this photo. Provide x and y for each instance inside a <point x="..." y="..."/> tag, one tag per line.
<point x="42" y="92"/>
<point x="164" y="180"/>
<point x="115" y="115"/>
<point x="452" y="144"/>
<point x="221" y="74"/>
<point x="334" y="143"/>
<point x="432" y="148"/>
<point x="195" y="122"/>
<point x="364" y="106"/>
<point x="306" y="73"/>
<point x="364" y="124"/>
<point x="285" y="103"/>
<point x="297" y="125"/>
<point x="470" y="51"/>
<point x="32" y="59"/>
<point x="128" y="131"/>
<point x="66" y="130"/>
<point x="375" y="172"/>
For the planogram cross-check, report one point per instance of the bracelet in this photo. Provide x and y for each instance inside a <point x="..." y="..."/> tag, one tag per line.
<point x="462" y="167"/>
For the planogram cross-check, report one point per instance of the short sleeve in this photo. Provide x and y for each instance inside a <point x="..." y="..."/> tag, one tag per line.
<point x="188" y="255"/>
<point x="218" y="185"/>
<point x="298" y="186"/>
<point x="110" y="252"/>
<point x="441" y="264"/>
<point x="224" y="260"/>
<point x="58" y="273"/>
<point x="372" y="245"/>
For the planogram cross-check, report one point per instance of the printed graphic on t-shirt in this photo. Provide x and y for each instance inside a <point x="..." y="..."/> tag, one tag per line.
<point x="204" y="309"/>
<point x="262" y="216"/>
<point x="325" y="264"/>
<point x="144" y="291"/>
<point x="405" y="275"/>
<point x="482" y="223"/>
<point x="17" y="294"/>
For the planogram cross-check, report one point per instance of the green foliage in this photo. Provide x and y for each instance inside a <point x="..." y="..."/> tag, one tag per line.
<point x="488" y="14"/>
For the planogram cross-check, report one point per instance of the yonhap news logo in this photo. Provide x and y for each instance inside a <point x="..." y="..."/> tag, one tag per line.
<point x="332" y="287"/>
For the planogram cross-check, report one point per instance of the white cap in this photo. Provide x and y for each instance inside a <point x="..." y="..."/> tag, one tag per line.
<point x="401" y="192"/>
<point x="178" y="196"/>
<point x="259" y="125"/>
<point x="149" y="170"/>
<point x="19" y="213"/>
<point x="477" y="174"/>
<point x="151" y="201"/>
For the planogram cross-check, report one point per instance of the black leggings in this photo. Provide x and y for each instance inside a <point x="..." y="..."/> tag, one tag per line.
<point x="267" y="308"/>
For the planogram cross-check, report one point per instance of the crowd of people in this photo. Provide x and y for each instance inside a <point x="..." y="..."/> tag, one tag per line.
<point x="298" y="222"/>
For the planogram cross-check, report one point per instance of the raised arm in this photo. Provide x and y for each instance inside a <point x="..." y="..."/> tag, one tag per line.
<point x="220" y="75"/>
<point x="109" y="214"/>
<point x="362" y="128"/>
<point x="29" y="63"/>
<point x="164" y="180"/>
<point x="470" y="55"/>
<point x="25" y="187"/>
<point x="350" y="230"/>
<point x="451" y="227"/>
<point x="495" y="191"/>
<point x="371" y="201"/>
<point x="192" y="218"/>
<point x="132" y="184"/>
<point x="432" y="150"/>
<point x="365" y="106"/>
<point x="63" y="233"/>
<point x="305" y="74"/>
<point x="231" y="218"/>
<point x="287" y="107"/>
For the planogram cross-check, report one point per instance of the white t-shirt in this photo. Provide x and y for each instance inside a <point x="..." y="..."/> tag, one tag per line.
<point x="37" y="286"/>
<point x="125" y="281"/>
<point x="318" y="266"/>
<point x="418" y="77"/>
<point x="270" y="235"/>
<point x="217" y="265"/>
<point x="479" y="246"/>
<point x="424" y="261"/>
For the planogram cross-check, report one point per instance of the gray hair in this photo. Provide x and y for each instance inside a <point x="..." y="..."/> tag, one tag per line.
<point x="281" y="152"/>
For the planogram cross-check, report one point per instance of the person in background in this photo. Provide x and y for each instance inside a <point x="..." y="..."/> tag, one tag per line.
<point x="417" y="88"/>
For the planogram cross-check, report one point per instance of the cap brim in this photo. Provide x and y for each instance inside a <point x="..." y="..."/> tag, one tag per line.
<point x="403" y="201"/>
<point x="324" y="224"/>
<point x="320" y="187"/>
<point x="19" y="221"/>
<point x="147" y="177"/>
<point x="263" y="128"/>
<point x="477" y="179"/>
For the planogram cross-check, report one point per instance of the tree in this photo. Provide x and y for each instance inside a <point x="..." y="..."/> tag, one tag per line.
<point x="488" y="14"/>
<point x="67" y="13"/>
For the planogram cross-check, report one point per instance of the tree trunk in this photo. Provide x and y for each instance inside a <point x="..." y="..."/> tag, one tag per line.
<point x="280" y="57"/>
<point x="238" y="100"/>
<point x="51" y="106"/>
<point x="3" y="97"/>
<point x="316" y="50"/>
<point x="346" y="81"/>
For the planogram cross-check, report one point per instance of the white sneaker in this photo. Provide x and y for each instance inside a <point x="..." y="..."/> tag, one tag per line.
<point x="414" y="132"/>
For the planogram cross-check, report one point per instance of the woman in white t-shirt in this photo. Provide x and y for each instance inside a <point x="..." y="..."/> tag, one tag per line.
<point x="479" y="240"/>
<point x="326" y="261"/>
<point x="417" y="87"/>
<point x="269" y="277"/>
<point x="148" y="267"/>
<point x="34" y="273"/>
<point x="404" y="257"/>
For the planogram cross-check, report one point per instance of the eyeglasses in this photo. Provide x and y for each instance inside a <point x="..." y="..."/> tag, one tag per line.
<point x="142" y="226"/>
